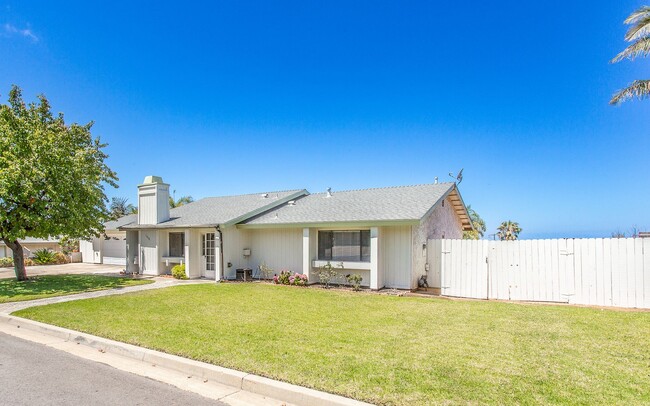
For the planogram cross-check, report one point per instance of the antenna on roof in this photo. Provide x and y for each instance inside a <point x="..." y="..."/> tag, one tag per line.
<point x="459" y="177"/>
<point x="329" y="192"/>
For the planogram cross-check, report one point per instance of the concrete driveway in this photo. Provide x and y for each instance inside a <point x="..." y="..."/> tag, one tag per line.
<point x="65" y="269"/>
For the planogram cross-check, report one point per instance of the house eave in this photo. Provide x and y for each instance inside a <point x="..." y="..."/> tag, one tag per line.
<point x="333" y="224"/>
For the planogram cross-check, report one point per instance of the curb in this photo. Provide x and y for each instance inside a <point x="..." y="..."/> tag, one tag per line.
<point x="259" y="385"/>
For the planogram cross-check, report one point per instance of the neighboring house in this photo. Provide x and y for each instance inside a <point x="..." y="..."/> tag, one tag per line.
<point x="30" y="245"/>
<point x="379" y="233"/>
<point x="110" y="248"/>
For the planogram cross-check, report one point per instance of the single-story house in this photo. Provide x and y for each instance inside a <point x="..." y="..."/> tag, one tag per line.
<point x="30" y="245"/>
<point x="379" y="233"/>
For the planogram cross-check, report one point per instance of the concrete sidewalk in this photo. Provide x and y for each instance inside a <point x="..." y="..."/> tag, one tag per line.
<point x="159" y="283"/>
<point x="226" y="385"/>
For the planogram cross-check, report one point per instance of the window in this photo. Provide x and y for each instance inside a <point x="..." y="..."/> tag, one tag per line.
<point x="353" y="246"/>
<point x="176" y="244"/>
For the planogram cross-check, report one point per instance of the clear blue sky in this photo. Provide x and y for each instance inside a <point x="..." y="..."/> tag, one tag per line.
<point x="242" y="97"/>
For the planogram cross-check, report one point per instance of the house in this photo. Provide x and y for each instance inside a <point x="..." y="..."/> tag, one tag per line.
<point x="379" y="233"/>
<point x="30" y="245"/>
<point x="110" y="248"/>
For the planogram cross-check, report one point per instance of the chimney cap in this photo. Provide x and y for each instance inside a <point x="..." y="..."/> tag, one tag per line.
<point x="152" y="179"/>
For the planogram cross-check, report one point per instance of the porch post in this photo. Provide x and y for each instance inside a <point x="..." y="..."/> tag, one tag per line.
<point x="217" y="257"/>
<point x="306" y="263"/>
<point x="186" y="254"/>
<point x="374" y="258"/>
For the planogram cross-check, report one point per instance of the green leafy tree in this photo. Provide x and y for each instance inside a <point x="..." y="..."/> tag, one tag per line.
<point x="477" y="223"/>
<point x="52" y="176"/>
<point x="508" y="231"/>
<point x="121" y="207"/>
<point x="639" y="36"/>
<point x="173" y="203"/>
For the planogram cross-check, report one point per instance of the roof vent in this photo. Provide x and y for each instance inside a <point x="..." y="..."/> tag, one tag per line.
<point x="291" y="203"/>
<point x="329" y="192"/>
<point x="265" y="195"/>
<point x="435" y="180"/>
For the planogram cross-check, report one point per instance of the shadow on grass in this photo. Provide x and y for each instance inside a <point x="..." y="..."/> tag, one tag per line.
<point x="38" y="287"/>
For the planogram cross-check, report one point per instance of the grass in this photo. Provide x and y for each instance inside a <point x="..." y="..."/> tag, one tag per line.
<point x="384" y="349"/>
<point x="39" y="287"/>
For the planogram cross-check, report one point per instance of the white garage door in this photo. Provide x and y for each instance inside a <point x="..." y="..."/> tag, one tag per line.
<point x="114" y="252"/>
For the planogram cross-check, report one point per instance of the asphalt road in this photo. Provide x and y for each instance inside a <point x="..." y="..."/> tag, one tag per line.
<point x="33" y="374"/>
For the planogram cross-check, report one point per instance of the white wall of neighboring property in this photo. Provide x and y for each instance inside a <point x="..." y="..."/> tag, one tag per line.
<point x="602" y="272"/>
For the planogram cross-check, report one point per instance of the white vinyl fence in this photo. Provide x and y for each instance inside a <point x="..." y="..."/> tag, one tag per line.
<point x="603" y="272"/>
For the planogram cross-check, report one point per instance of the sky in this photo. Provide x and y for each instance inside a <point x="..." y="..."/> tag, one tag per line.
<point x="223" y="98"/>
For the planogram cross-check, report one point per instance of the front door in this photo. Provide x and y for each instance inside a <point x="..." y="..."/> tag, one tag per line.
<point x="208" y="253"/>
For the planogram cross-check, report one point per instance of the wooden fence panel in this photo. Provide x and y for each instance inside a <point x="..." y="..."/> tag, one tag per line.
<point x="602" y="272"/>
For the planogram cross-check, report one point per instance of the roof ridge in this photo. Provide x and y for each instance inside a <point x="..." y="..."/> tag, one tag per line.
<point x="385" y="187"/>
<point x="251" y="194"/>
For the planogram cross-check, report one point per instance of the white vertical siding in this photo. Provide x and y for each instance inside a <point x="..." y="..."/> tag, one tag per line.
<point x="279" y="248"/>
<point x="234" y="242"/>
<point x="395" y="252"/>
<point x="149" y="252"/>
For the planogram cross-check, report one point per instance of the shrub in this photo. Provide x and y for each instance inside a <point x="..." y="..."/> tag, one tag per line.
<point x="6" y="261"/>
<point x="327" y="273"/>
<point x="266" y="272"/>
<point x="354" y="280"/>
<point x="61" y="258"/>
<point x="178" y="272"/>
<point x="286" y="278"/>
<point x="44" y="256"/>
<point x="29" y="262"/>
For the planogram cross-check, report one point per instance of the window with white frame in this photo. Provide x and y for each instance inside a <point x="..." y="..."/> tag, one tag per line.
<point x="347" y="246"/>
<point x="176" y="244"/>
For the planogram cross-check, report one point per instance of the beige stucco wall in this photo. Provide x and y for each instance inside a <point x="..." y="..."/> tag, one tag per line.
<point x="6" y="251"/>
<point x="442" y="222"/>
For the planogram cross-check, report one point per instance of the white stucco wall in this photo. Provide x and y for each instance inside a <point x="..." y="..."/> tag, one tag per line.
<point x="442" y="222"/>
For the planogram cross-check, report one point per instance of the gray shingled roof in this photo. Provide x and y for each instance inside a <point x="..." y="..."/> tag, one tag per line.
<point x="401" y="203"/>
<point x="122" y="221"/>
<point x="224" y="210"/>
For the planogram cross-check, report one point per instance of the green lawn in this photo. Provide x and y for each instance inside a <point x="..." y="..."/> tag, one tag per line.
<point x="384" y="349"/>
<point x="39" y="287"/>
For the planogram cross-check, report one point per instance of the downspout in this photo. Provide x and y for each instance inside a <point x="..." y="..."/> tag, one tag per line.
<point x="223" y="271"/>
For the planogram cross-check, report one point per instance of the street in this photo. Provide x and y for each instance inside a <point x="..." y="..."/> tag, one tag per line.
<point x="33" y="374"/>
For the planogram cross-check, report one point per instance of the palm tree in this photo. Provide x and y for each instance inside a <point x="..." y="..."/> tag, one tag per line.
<point x="120" y="207"/>
<point x="639" y="36"/>
<point x="477" y="223"/>
<point x="173" y="203"/>
<point x="508" y="231"/>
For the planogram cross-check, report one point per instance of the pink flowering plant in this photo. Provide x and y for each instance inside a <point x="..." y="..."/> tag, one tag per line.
<point x="286" y="278"/>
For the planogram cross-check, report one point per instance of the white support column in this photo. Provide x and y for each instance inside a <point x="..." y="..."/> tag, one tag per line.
<point x="374" y="258"/>
<point x="186" y="254"/>
<point x="217" y="257"/>
<point x="306" y="257"/>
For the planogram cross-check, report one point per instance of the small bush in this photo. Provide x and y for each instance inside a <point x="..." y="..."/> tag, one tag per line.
<point x="44" y="256"/>
<point x="178" y="272"/>
<point x="354" y="280"/>
<point x="6" y="261"/>
<point x="29" y="262"/>
<point x="286" y="278"/>
<point x="61" y="258"/>
<point x="327" y="273"/>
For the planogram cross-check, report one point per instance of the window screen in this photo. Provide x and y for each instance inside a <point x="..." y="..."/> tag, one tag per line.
<point x="353" y="246"/>
<point x="176" y="244"/>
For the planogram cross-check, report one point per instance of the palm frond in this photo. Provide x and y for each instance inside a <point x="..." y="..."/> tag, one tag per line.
<point x="639" y="48"/>
<point x="640" y="27"/>
<point x="641" y="12"/>
<point x="638" y="88"/>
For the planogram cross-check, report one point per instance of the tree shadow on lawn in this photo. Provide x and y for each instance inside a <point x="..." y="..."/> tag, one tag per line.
<point x="38" y="287"/>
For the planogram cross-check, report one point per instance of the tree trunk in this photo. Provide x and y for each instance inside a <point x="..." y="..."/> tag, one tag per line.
<point x="19" y="259"/>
